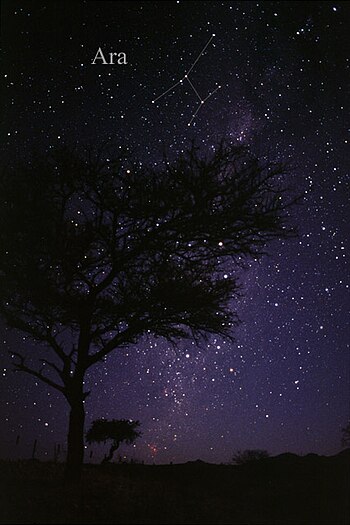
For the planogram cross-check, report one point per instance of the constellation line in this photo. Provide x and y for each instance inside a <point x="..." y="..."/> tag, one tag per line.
<point x="212" y="93"/>
<point x="202" y="104"/>
<point x="167" y="91"/>
<point x="194" y="114"/>
<point x="200" y="54"/>
<point x="194" y="89"/>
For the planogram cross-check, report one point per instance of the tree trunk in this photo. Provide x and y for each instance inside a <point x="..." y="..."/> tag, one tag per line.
<point x="75" y="446"/>
<point x="113" y="448"/>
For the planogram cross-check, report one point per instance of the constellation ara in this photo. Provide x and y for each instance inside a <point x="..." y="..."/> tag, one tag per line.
<point x="186" y="78"/>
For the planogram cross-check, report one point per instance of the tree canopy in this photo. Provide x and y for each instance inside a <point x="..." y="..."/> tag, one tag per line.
<point x="125" y="249"/>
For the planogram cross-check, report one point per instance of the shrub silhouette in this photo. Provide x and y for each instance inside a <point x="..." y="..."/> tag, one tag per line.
<point x="117" y="430"/>
<point x="346" y="436"/>
<point x="248" y="456"/>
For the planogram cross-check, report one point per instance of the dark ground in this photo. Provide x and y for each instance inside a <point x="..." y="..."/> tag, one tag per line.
<point x="287" y="489"/>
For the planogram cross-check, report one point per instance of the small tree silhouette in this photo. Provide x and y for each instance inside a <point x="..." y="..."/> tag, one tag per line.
<point x="346" y="436"/>
<point x="117" y="430"/>
<point x="247" y="456"/>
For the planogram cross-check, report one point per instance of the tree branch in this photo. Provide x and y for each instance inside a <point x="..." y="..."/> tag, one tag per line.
<point x="63" y="374"/>
<point x="37" y="334"/>
<point x="21" y="367"/>
<point x="125" y="337"/>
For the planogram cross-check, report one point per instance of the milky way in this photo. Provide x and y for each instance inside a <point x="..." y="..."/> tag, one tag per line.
<point x="284" y="75"/>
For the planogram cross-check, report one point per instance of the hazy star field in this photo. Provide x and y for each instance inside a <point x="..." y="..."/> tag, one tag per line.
<point x="283" y="68"/>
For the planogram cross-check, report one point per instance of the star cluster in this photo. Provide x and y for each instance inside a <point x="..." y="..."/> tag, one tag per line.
<point x="283" y="68"/>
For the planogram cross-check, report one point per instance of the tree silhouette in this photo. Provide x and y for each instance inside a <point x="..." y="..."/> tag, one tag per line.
<point x="117" y="430"/>
<point x="247" y="456"/>
<point x="346" y="436"/>
<point x="98" y="250"/>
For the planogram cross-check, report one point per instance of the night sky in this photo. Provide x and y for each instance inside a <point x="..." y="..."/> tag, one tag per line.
<point x="283" y="68"/>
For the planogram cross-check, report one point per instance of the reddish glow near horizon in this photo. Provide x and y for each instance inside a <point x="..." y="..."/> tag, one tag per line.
<point x="153" y="449"/>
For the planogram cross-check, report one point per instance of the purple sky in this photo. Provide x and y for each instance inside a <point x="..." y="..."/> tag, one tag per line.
<point x="283" y="67"/>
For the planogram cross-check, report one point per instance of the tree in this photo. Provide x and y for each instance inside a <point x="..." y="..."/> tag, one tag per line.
<point x="247" y="456"/>
<point x="117" y="430"/>
<point x="97" y="250"/>
<point x="346" y="436"/>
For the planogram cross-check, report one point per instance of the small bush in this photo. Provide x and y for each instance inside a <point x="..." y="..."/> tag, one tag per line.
<point x="241" y="457"/>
